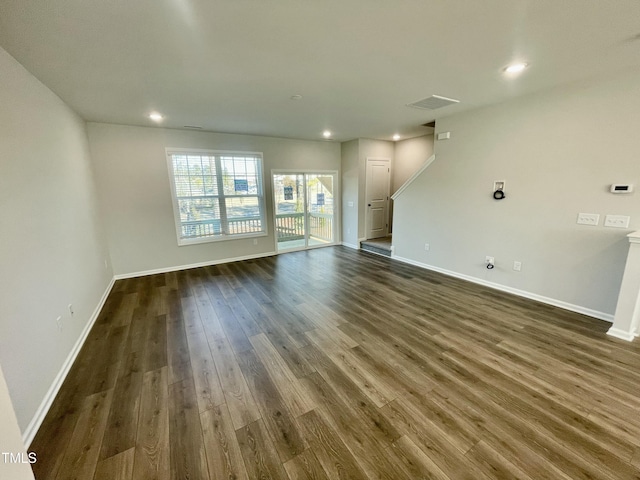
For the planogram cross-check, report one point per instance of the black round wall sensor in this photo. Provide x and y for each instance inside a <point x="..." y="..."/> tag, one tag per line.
<point x="498" y="195"/>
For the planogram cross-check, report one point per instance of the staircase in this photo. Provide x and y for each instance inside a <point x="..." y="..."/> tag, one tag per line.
<point x="379" y="246"/>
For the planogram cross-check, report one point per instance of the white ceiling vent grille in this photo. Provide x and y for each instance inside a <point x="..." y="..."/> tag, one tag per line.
<point x="433" y="102"/>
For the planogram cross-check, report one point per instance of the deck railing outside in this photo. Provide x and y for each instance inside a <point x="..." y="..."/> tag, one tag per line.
<point x="289" y="226"/>
<point x="321" y="226"/>
<point x="240" y="225"/>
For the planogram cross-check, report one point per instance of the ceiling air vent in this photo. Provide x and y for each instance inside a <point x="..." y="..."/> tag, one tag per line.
<point x="433" y="102"/>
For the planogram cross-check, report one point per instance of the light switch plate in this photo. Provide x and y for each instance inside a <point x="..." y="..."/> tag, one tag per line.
<point x="617" y="221"/>
<point x="588" y="219"/>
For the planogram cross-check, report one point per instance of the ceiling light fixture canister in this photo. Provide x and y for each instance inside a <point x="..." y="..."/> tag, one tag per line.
<point x="516" y="68"/>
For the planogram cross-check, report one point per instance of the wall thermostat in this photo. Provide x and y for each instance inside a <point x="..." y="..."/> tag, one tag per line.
<point x="621" y="188"/>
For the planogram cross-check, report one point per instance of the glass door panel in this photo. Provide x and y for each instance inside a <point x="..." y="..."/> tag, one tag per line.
<point x="304" y="208"/>
<point x="320" y="208"/>
<point x="288" y="192"/>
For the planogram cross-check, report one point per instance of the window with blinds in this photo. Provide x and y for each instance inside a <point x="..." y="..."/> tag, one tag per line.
<point x="216" y="195"/>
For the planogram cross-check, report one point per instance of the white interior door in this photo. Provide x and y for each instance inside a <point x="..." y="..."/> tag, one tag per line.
<point x="377" y="197"/>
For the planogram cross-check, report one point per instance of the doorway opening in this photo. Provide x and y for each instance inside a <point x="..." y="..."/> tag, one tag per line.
<point x="304" y="205"/>
<point x="377" y="197"/>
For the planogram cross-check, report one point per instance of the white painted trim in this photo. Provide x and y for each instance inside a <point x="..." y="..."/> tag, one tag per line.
<point x="520" y="293"/>
<point x="220" y="238"/>
<point x="182" y="242"/>
<point x="375" y="253"/>
<point x="31" y="430"/>
<point x="337" y="200"/>
<point x="367" y="191"/>
<point x="311" y="247"/>
<point x="350" y="245"/>
<point x="634" y="237"/>
<point x="413" y="177"/>
<point x="176" y="268"/>
<point x="621" y="334"/>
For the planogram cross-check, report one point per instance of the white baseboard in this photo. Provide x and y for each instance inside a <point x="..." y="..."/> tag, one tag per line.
<point x="622" y="334"/>
<point x="350" y="245"/>
<point x="192" y="265"/>
<point x="521" y="293"/>
<point x="31" y="430"/>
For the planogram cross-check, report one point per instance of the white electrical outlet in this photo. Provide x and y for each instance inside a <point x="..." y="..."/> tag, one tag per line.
<point x="490" y="260"/>
<point x="588" y="219"/>
<point x="59" y="323"/>
<point x="426" y="246"/>
<point x="517" y="266"/>
<point x="106" y="264"/>
<point x="617" y="221"/>
<point x="255" y="241"/>
<point x="71" y="311"/>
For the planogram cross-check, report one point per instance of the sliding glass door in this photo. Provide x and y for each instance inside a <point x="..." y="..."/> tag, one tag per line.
<point x="304" y="209"/>
<point x="289" y="196"/>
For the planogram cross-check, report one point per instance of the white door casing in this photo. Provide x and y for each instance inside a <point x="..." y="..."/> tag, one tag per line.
<point x="316" y="224"/>
<point x="377" y="197"/>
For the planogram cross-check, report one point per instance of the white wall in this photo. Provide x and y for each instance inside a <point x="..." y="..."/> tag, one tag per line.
<point x="350" y="182"/>
<point x="558" y="151"/>
<point x="368" y="148"/>
<point x="354" y="182"/>
<point x="10" y="439"/>
<point x="409" y="156"/>
<point x="52" y="250"/>
<point x="133" y="186"/>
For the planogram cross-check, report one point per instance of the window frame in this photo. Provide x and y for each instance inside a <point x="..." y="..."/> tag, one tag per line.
<point x="262" y="206"/>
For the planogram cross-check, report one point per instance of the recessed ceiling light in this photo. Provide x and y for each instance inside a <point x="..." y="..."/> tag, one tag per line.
<point x="326" y="134"/>
<point x="396" y="137"/>
<point x="516" y="67"/>
<point x="296" y="97"/>
<point x="156" y="117"/>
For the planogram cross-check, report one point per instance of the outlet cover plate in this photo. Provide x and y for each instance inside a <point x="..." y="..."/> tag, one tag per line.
<point x="588" y="219"/>
<point x="617" y="221"/>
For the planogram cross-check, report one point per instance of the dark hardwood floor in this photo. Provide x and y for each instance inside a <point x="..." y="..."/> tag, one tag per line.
<point x="338" y="364"/>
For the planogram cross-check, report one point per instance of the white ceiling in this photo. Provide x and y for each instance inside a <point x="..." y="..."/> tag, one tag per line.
<point x="232" y="65"/>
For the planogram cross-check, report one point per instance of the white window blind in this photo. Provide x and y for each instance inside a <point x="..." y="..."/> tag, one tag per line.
<point x="216" y="195"/>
